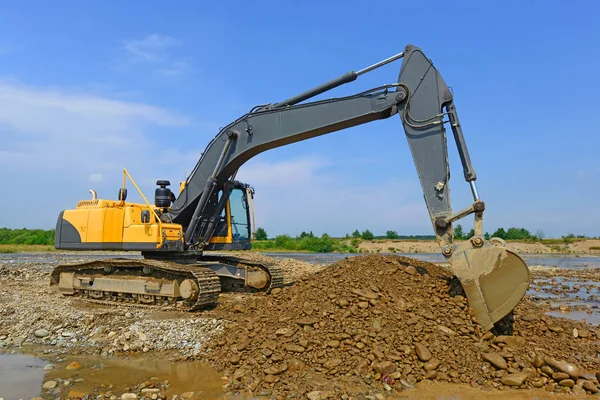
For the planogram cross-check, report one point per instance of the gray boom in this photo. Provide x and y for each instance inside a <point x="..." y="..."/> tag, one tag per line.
<point x="420" y="97"/>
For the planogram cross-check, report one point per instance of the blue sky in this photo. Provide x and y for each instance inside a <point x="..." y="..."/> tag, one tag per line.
<point x="87" y="88"/>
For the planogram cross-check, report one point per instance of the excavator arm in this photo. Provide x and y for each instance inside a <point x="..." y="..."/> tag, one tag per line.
<point x="494" y="279"/>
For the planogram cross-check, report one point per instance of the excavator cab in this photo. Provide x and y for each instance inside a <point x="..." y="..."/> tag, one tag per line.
<point x="236" y="222"/>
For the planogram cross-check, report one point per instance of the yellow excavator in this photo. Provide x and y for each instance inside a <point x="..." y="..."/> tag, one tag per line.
<point x="213" y="211"/>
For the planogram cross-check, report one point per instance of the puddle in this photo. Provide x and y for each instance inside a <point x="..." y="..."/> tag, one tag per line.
<point x="593" y="318"/>
<point x="21" y="376"/>
<point x="125" y="374"/>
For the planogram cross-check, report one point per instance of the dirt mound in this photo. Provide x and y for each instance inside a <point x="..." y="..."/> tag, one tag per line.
<point x="382" y="324"/>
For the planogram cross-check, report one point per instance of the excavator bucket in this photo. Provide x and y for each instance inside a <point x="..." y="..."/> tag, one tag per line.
<point x="493" y="278"/>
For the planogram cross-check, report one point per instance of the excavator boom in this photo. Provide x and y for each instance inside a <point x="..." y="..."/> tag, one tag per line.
<point x="494" y="279"/>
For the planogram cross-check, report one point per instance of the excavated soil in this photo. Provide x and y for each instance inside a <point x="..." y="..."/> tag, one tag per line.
<point x="379" y="325"/>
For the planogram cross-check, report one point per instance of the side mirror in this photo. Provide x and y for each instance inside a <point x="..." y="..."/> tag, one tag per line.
<point x="145" y="216"/>
<point x="122" y="194"/>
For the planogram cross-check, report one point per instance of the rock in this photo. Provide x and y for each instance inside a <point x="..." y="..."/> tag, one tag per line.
<point x="514" y="342"/>
<point x="111" y="334"/>
<point x="271" y="378"/>
<point x="363" y="305"/>
<point x="314" y="395"/>
<point x="514" y="379"/>
<point x="49" y="385"/>
<point x="384" y="367"/>
<point x="188" y="395"/>
<point x="446" y="331"/>
<point x="422" y="352"/>
<point x="431" y="375"/>
<point x="294" y="348"/>
<point x="276" y="291"/>
<point x="538" y="361"/>
<point x="567" y="383"/>
<point x="563" y="366"/>
<point x="598" y="376"/>
<point x="76" y="394"/>
<point x="575" y="332"/>
<point x="283" y="331"/>
<point x="331" y="363"/>
<point x="243" y="344"/>
<point x="495" y="359"/>
<point x="239" y="308"/>
<point x="235" y="359"/>
<point x="67" y="334"/>
<point x="431" y="364"/>
<point x="529" y="317"/>
<point x="276" y="370"/>
<point x="49" y="367"/>
<point x="41" y="333"/>
<point x="547" y="370"/>
<point x="584" y="333"/>
<point x="74" y="365"/>
<point x="150" y="390"/>
<point x="559" y="376"/>
<point x="368" y="294"/>
<point x="556" y="329"/>
<point x="590" y="387"/>
<point x="410" y="270"/>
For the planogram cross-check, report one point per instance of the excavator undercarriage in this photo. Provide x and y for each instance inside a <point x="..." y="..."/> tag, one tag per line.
<point x="164" y="284"/>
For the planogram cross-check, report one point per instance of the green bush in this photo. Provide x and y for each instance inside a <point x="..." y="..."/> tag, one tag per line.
<point x="26" y="236"/>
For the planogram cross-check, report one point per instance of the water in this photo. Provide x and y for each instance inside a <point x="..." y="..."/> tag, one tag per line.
<point x="549" y="260"/>
<point x="21" y="376"/>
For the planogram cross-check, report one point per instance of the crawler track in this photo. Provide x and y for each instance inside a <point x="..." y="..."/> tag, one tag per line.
<point x="118" y="282"/>
<point x="209" y="286"/>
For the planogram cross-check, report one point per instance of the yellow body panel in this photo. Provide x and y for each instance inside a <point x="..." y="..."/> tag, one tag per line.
<point x="109" y="221"/>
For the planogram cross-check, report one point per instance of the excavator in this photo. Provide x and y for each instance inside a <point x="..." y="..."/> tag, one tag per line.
<point x="214" y="212"/>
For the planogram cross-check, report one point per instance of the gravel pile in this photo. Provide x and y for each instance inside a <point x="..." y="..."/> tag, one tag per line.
<point x="381" y="324"/>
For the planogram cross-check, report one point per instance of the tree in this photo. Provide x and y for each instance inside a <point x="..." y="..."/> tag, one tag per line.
<point x="471" y="233"/>
<point x="367" y="235"/>
<point x="458" y="232"/>
<point x="487" y="236"/>
<point x="261" y="234"/>
<point x="500" y="233"/>
<point x="356" y="234"/>
<point x="304" y="234"/>
<point x="391" y="235"/>
<point x="540" y="234"/>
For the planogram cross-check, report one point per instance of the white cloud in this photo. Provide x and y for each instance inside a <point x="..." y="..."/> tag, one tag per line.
<point x="96" y="177"/>
<point x="57" y="129"/>
<point x="157" y="51"/>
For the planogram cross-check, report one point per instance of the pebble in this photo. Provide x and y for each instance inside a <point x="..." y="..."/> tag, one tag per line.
<point x="422" y="352"/>
<point x="384" y="367"/>
<point x="590" y="387"/>
<point x="67" y="334"/>
<point x="74" y="365"/>
<point x="431" y="364"/>
<point x="129" y="396"/>
<point x="567" y="382"/>
<point x="563" y="366"/>
<point x="41" y="333"/>
<point x="50" y="385"/>
<point x="514" y="379"/>
<point x="495" y="359"/>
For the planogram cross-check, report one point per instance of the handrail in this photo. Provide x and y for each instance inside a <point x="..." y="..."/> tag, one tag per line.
<point x="126" y="174"/>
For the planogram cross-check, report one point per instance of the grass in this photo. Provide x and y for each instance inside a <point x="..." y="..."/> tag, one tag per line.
<point x="22" y="248"/>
